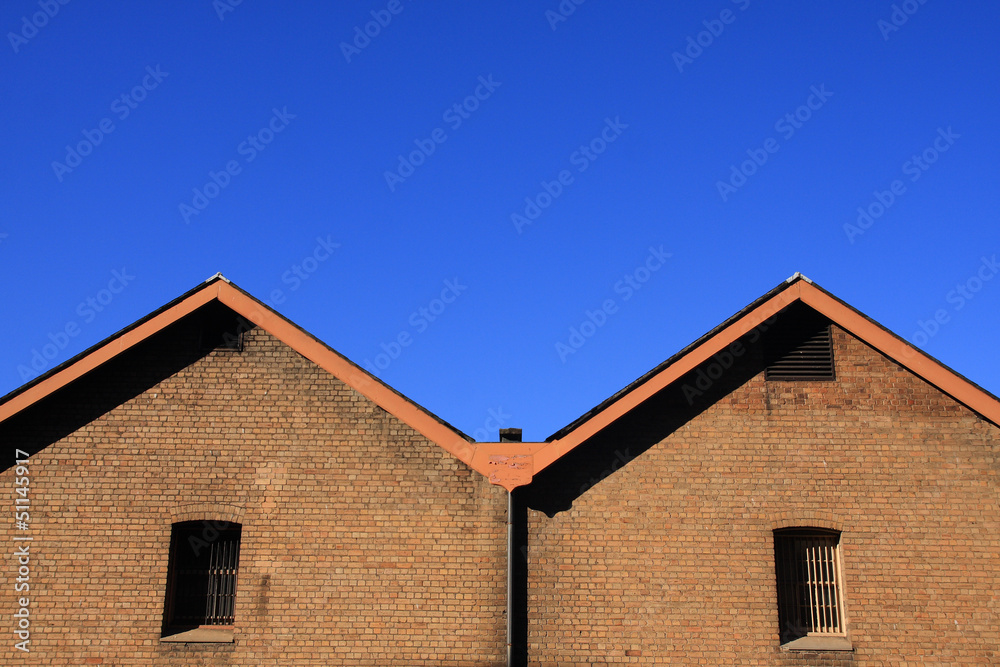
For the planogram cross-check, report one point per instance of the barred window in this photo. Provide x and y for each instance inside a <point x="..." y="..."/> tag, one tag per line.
<point x="810" y="584"/>
<point x="202" y="571"/>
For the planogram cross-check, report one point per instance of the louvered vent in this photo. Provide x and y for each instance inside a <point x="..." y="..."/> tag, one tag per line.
<point x="799" y="355"/>
<point x="226" y="341"/>
<point x="219" y="328"/>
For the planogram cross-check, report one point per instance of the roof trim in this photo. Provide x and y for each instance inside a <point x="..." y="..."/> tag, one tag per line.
<point x="796" y="288"/>
<point x="513" y="464"/>
<point x="219" y="288"/>
<point x="68" y="371"/>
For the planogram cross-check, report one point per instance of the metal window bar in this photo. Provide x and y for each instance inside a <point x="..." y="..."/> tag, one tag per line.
<point x="809" y="595"/>
<point x="204" y="588"/>
<point x="220" y="600"/>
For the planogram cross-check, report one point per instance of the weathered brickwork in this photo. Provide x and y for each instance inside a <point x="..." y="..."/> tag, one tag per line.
<point x="363" y="543"/>
<point x="366" y="543"/>
<point x="669" y="558"/>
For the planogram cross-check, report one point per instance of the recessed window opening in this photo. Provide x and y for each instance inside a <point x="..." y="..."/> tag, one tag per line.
<point x="202" y="573"/>
<point x="810" y="589"/>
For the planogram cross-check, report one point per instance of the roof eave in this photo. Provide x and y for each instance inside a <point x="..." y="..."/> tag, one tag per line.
<point x="796" y="288"/>
<point x="219" y="288"/>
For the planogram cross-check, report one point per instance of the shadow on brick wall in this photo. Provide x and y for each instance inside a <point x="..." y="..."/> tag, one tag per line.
<point x="554" y="489"/>
<point x="126" y="376"/>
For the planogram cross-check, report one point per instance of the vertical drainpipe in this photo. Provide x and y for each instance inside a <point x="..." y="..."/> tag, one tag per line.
<point x="510" y="435"/>
<point x="510" y="576"/>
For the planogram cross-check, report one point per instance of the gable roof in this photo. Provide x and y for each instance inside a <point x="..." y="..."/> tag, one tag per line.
<point x="218" y="288"/>
<point x="797" y="288"/>
<point x="512" y="464"/>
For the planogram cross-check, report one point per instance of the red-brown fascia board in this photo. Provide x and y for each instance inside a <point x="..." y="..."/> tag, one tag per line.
<point x="799" y="289"/>
<point x="514" y="464"/>
<point x="259" y="314"/>
<point x="90" y="359"/>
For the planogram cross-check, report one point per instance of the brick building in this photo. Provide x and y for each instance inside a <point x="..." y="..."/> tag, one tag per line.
<point x="214" y="486"/>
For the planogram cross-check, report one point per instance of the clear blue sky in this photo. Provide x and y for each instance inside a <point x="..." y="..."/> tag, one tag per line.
<point x="281" y="145"/>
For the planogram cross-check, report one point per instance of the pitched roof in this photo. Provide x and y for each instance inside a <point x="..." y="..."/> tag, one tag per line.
<point x="797" y="288"/>
<point x="513" y="464"/>
<point x="218" y="288"/>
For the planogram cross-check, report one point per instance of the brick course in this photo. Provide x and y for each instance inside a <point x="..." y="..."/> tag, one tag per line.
<point x="648" y="540"/>
<point x="363" y="543"/>
<point x="668" y="559"/>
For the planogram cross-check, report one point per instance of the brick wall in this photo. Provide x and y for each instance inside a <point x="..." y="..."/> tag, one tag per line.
<point x="668" y="558"/>
<point x="363" y="543"/>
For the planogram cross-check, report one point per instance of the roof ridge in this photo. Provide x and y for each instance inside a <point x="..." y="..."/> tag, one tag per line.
<point x="799" y="276"/>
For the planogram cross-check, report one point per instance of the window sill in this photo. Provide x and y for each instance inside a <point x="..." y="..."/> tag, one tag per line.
<point x="205" y="634"/>
<point x="819" y="644"/>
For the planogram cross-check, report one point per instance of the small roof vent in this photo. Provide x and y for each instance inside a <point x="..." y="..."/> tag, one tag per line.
<point x="800" y="355"/>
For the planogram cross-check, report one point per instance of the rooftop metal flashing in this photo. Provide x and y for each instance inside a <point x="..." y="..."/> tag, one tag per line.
<point x="798" y="276"/>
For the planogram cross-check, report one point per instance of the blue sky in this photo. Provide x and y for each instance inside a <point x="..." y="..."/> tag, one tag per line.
<point x="477" y="177"/>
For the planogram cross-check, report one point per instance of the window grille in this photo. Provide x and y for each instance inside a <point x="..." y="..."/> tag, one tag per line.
<point x="810" y="592"/>
<point x="204" y="563"/>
